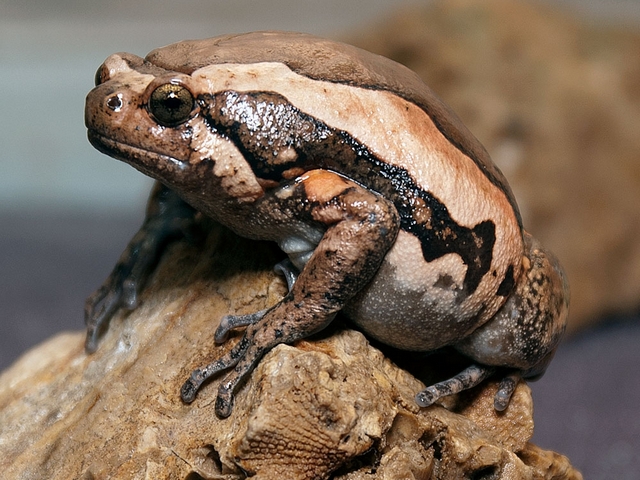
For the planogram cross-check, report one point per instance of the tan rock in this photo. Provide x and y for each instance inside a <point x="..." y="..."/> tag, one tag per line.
<point x="556" y="101"/>
<point x="331" y="405"/>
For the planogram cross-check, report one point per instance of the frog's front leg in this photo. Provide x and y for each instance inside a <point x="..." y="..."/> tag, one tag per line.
<point x="361" y="227"/>
<point x="168" y="218"/>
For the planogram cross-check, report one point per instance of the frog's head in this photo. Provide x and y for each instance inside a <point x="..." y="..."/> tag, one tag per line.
<point x="149" y="117"/>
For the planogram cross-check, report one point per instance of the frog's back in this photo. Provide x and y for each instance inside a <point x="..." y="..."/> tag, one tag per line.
<point x="459" y="251"/>
<point x="325" y="60"/>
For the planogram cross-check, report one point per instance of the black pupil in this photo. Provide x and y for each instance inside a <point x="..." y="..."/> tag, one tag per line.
<point x="172" y="102"/>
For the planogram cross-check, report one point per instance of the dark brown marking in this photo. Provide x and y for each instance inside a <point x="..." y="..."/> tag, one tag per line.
<point x="326" y="60"/>
<point x="444" y="281"/>
<point x="261" y="124"/>
<point x="508" y="283"/>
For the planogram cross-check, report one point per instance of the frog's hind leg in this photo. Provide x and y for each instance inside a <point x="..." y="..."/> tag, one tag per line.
<point x="529" y="325"/>
<point x="468" y="378"/>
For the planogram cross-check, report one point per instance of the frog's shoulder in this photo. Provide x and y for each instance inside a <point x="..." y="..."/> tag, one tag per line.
<point x="330" y="61"/>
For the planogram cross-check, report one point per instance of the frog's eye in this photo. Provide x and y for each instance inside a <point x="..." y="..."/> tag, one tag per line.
<point x="171" y="104"/>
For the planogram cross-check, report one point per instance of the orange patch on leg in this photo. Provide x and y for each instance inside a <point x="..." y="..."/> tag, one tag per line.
<point x="322" y="185"/>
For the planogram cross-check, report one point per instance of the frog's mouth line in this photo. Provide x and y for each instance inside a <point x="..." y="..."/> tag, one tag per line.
<point x="147" y="161"/>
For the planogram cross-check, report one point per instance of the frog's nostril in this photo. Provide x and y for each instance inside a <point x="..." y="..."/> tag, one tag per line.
<point x="115" y="103"/>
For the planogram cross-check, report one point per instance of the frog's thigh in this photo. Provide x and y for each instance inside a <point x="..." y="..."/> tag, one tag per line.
<point x="413" y="304"/>
<point x="525" y="332"/>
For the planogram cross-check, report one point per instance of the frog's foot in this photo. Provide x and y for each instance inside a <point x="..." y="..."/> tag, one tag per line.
<point x="135" y="266"/>
<point x="258" y="339"/>
<point x="200" y="375"/>
<point x="243" y="356"/>
<point x="116" y="292"/>
<point x="468" y="378"/>
<point x="168" y="219"/>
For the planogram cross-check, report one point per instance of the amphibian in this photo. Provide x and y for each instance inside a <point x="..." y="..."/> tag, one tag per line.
<point x="388" y="208"/>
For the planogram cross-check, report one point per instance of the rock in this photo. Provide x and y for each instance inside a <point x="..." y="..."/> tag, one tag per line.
<point x="556" y="101"/>
<point x="328" y="406"/>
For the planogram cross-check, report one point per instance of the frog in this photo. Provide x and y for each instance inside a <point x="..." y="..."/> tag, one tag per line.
<point x="386" y="206"/>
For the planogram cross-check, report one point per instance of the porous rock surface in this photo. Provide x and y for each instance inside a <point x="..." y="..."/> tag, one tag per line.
<point x="328" y="407"/>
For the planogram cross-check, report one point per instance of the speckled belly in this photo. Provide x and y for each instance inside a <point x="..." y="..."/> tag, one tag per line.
<point x="417" y="305"/>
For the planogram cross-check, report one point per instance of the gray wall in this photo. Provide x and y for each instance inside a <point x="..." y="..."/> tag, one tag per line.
<point x="50" y="49"/>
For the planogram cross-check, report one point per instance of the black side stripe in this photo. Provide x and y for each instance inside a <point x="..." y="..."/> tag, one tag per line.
<point x="264" y="125"/>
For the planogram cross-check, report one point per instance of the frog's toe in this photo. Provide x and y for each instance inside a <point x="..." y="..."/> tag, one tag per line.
<point x="229" y="322"/>
<point x="130" y="294"/>
<point x="224" y="400"/>
<point x="288" y="270"/>
<point x="224" y="407"/>
<point x="190" y="388"/>
<point x="503" y="396"/>
<point x="98" y="310"/>
<point x="91" y="340"/>
<point x="427" y="397"/>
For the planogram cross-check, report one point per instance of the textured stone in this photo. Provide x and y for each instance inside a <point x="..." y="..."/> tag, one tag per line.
<point x="328" y="406"/>
<point x="556" y="101"/>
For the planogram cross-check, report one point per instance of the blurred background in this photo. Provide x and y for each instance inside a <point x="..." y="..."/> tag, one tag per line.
<point x="551" y="88"/>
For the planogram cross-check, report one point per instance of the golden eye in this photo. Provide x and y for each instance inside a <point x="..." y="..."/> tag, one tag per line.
<point x="171" y="104"/>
